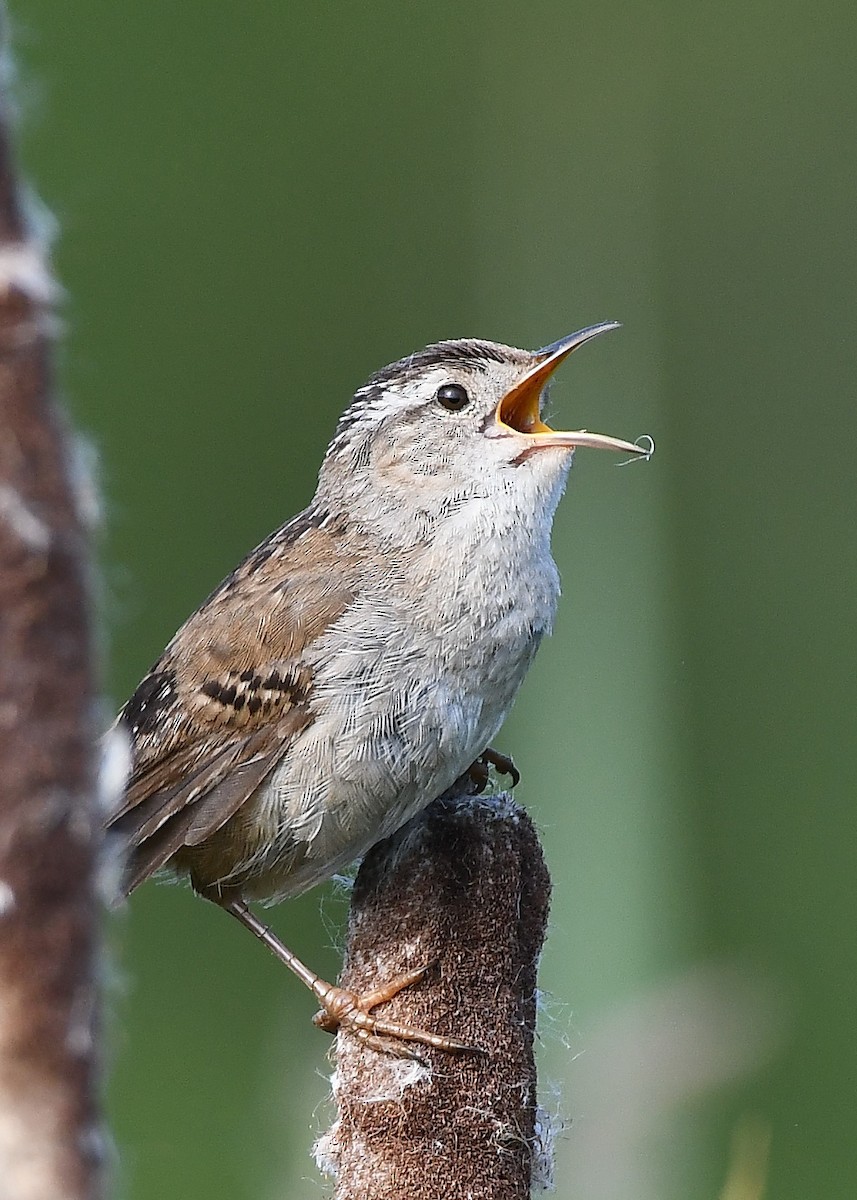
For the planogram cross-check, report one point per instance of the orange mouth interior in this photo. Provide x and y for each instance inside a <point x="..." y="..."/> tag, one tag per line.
<point x="519" y="408"/>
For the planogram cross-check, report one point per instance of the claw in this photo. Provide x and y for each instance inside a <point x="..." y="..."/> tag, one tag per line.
<point x="489" y="757"/>
<point x="352" y="1012"/>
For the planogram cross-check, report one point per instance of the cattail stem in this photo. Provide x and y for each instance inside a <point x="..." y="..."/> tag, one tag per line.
<point x="463" y="887"/>
<point x="50" y="1140"/>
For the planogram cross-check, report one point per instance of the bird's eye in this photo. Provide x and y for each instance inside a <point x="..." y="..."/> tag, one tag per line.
<point x="453" y="396"/>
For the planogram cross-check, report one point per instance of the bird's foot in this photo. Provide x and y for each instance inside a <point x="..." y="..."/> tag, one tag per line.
<point x="352" y="1011"/>
<point x="340" y="1007"/>
<point x="478" y="772"/>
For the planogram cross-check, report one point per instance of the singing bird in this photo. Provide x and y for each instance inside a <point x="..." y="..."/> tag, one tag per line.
<point x="361" y="658"/>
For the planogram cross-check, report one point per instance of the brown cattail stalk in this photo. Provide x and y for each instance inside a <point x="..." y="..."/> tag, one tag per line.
<point x="49" y="1130"/>
<point x="464" y="887"/>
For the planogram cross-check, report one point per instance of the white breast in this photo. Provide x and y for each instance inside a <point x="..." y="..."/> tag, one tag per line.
<point x="410" y="686"/>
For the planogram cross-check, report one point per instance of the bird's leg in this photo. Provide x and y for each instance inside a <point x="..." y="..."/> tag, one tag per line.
<point x="477" y="773"/>
<point x="340" y="1007"/>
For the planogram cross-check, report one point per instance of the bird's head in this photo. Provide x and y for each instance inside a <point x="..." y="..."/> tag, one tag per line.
<point x="458" y="422"/>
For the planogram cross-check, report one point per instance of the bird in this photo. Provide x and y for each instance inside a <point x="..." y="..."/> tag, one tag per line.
<point x="360" y="659"/>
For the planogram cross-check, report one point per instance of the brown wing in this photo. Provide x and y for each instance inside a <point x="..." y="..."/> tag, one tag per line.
<point x="229" y="695"/>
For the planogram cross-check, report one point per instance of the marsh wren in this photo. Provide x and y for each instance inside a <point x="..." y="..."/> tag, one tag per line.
<point x="356" y="663"/>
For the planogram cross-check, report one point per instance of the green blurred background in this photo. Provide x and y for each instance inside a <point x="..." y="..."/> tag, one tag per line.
<point x="260" y="204"/>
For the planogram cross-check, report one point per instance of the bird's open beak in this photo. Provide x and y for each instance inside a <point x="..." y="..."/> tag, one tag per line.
<point x="518" y="411"/>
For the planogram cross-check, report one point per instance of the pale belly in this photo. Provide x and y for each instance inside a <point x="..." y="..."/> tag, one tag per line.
<point x="398" y="718"/>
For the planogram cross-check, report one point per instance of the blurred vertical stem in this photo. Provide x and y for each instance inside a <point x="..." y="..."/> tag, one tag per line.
<point x="49" y="1135"/>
